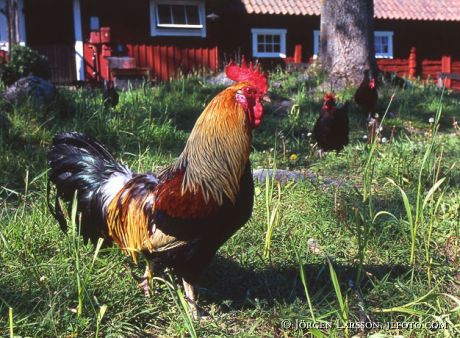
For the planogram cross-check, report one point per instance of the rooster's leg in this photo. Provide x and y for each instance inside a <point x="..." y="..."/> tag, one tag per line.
<point x="147" y="278"/>
<point x="320" y="153"/>
<point x="190" y="297"/>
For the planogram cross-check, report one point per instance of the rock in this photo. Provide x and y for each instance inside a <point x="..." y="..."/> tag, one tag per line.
<point x="282" y="107"/>
<point x="220" y="79"/>
<point x="281" y="175"/>
<point x="41" y="91"/>
<point x="284" y="176"/>
<point x="314" y="246"/>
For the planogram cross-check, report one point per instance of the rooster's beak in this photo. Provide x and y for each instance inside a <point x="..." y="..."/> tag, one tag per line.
<point x="266" y="98"/>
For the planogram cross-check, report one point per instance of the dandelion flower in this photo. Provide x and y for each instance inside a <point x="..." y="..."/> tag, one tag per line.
<point x="384" y="140"/>
<point x="431" y="120"/>
<point x="293" y="157"/>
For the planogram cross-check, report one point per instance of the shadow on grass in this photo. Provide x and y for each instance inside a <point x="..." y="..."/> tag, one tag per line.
<point x="226" y="280"/>
<point x="23" y="301"/>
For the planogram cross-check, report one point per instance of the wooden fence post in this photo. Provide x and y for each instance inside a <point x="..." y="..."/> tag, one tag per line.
<point x="298" y="53"/>
<point x="412" y="63"/>
<point x="216" y="59"/>
<point x="446" y="67"/>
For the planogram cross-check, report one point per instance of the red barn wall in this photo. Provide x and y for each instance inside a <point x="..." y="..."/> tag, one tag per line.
<point x="237" y="37"/>
<point x="52" y="35"/>
<point x="228" y="36"/>
<point x="130" y="26"/>
<point x="432" y="39"/>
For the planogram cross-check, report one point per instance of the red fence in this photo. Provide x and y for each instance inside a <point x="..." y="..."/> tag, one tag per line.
<point x="426" y="69"/>
<point x="398" y="66"/>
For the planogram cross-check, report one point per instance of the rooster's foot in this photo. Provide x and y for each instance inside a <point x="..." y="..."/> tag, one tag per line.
<point x="145" y="286"/>
<point x="191" y="300"/>
<point x="146" y="279"/>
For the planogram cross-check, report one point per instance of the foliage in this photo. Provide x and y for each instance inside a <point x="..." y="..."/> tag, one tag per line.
<point x="24" y="61"/>
<point x="53" y="284"/>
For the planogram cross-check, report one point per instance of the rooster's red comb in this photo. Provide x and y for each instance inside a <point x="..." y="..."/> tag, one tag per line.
<point x="250" y="74"/>
<point x="329" y="96"/>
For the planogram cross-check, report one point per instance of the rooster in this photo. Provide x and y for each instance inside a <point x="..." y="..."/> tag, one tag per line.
<point x="366" y="95"/>
<point x="180" y="217"/>
<point x="331" y="129"/>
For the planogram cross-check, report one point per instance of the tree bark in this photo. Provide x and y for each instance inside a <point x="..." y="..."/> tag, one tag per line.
<point x="347" y="40"/>
<point x="12" y="22"/>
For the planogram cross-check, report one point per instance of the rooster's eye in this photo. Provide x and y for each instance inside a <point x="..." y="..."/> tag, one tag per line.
<point x="241" y="98"/>
<point x="250" y="91"/>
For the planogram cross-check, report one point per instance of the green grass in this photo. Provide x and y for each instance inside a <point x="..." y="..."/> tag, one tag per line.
<point x="387" y="229"/>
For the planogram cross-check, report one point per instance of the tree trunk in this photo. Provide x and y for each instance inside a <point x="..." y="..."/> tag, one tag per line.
<point x="12" y="22"/>
<point x="347" y="40"/>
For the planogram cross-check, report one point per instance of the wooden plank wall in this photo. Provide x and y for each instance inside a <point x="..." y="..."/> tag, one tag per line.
<point x="398" y="66"/>
<point x="455" y="70"/>
<point x="166" y="62"/>
<point x="61" y="58"/>
<point x="430" y="69"/>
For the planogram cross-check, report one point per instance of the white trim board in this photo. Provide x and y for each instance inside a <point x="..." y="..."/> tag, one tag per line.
<point x="79" y="58"/>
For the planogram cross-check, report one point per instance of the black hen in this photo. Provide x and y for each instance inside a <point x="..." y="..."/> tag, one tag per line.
<point x="331" y="129"/>
<point x="366" y="95"/>
<point x="110" y="95"/>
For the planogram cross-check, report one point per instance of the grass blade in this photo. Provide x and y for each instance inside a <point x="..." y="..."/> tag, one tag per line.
<point x="10" y="316"/>
<point x="432" y="190"/>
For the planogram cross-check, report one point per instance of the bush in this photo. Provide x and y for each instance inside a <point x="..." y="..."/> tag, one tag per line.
<point x="24" y="61"/>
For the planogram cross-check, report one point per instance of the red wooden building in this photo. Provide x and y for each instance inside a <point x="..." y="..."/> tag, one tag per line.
<point x="159" y="38"/>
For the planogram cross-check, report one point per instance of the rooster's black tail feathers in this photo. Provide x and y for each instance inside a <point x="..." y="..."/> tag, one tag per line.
<point x="81" y="165"/>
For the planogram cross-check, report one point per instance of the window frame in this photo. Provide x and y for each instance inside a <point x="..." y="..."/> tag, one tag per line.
<point x="269" y="31"/>
<point x="157" y="29"/>
<point x="389" y="34"/>
<point x="316" y="34"/>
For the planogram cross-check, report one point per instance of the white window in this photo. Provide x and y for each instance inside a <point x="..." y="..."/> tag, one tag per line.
<point x="383" y="42"/>
<point x="177" y="18"/>
<point x="268" y="43"/>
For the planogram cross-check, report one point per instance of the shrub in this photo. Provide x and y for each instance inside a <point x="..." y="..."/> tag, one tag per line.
<point x="24" y="61"/>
